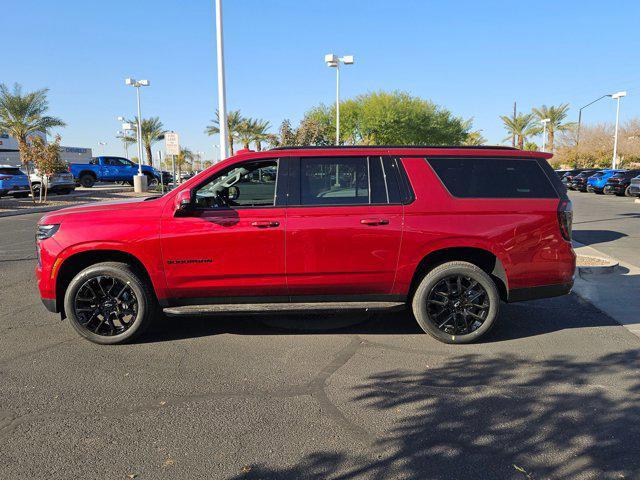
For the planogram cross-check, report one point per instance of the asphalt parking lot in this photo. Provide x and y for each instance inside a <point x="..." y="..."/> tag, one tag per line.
<point x="552" y="392"/>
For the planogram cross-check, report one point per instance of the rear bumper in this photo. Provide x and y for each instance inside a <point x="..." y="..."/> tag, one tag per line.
<point x="534" y="293"/>
<point x="617" y="189"/>
<point x="634" y="189"/>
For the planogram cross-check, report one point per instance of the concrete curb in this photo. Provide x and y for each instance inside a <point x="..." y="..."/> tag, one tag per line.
<point x="586" y="251"/>
<point x="637" y="200"/>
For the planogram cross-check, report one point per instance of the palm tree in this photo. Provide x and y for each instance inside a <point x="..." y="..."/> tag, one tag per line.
<point x="474" y="139"/>
<point x="152" y="131"/>
<point x="261" y="134"/>
<point x="23" y="115"/>
<point x="522" y="126"/>
<point x="234" y="122"/>
<point x="246" y="131"/>
<point x="555" y="115"/>
<point x="185" y="157"/>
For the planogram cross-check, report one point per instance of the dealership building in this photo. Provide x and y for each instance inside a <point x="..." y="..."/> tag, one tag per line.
<point x="9" y="154"/>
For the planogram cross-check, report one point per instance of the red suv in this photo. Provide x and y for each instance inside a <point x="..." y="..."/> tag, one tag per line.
<point x="449" y="231"/>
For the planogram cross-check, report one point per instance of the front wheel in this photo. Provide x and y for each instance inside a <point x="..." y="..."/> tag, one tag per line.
<point x="87" y="181"/>
<point x="456" y="302"/>
<point x="110" y="303"/>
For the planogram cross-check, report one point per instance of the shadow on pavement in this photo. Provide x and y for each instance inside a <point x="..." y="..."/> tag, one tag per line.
<point x="518" y="320"/>
<point x="592" y="237"/>
<point x="491" y="417"/>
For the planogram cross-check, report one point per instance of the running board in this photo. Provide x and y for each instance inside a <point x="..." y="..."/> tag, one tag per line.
<point x="266" y="308"/>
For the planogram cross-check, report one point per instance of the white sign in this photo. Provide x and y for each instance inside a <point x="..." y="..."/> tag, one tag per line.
<point x="171" y="143"/>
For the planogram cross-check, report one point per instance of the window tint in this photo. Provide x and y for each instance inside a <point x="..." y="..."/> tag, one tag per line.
<point x="10" y="171"/>
<point x="378" y="188"/>
<point x="94" y="161"/>
<point x="250" y="184"/>
<point x="334" y="181"/>
<point x="392" y="176"/>
<point x="493" y="178"/>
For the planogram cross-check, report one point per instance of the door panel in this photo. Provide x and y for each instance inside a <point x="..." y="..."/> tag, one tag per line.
<point x="225" y="253"/>
<point x="342" y="250"/>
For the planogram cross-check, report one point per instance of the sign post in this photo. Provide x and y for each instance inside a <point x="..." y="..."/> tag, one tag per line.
<point x="172" y="147"/>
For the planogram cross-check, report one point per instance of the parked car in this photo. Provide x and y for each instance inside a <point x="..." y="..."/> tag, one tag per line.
<point x="597" y="181"/>
<point x="111" y="169"/>
<point x="634" y="187"/>
<point x="561" y="173"/>
<point x="425" y="227"/>
<point x="579" y="181"/>
<point x="13" y="182"/>
<point x="61" y="183"/>
<point x="568" y="177"/>
<point x="620" y="183"/>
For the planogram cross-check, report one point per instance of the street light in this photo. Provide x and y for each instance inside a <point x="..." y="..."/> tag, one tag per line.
<point x="122" y="135"/>
<point x="334" y="62"/>
<point x="544" y="122"/>
<point x="139" y="180"/>
<point x="102" y="144"/>
<point x="616" y="96"/>
<point x="222" y="92"/>
<point x="580" y="115"/>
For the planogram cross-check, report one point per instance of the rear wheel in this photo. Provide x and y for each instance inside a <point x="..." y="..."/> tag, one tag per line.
<point x="110" y="303"/>
<point x="456" y="302"/>
<point x="627" y="192"/>
<point x="87" y="180"/>
<point x="152" y="181"/>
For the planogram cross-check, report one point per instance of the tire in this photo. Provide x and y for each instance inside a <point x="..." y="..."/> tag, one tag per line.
<point x="152" y="181"/>
<point x="21" y="195"/>
<point x="115" y="330"/>
<point x="627" y="191"/>
<point x="36" y="189"/>
<point x="427" y="292"/>
<point x="87" y="180"/>
<point x="66" y="191"/>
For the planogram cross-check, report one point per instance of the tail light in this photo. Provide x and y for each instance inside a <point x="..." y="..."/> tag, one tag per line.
<point x="565" y="218"/>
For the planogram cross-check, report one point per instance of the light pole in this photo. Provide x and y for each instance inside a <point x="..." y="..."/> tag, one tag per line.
<point x="102" y="144"/>
<point x="332" y="61"/>
<point x="616" y="96"/>
<point x="544" y="122"/>
<point x="222" y="92"/>
<point x="123" y="136"/>
<point x="139" y="180"/>
<point x="580" y="115"/>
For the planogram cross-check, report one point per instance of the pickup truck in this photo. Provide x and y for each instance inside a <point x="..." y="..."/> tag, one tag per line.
<point x="110" y="169"/>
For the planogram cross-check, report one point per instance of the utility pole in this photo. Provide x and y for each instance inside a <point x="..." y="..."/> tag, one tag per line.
<point x="222" y="92"/>
<point x="513" y="136"/>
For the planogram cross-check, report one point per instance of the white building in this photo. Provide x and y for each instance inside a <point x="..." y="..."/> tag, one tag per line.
<point x="9" y="154"/>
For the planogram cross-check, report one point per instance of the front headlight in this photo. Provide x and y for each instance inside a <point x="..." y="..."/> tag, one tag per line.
<point x="46" y="231"/>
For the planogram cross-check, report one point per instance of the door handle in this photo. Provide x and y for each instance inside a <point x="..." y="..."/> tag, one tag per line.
<point x="265" y="224"/>
<point x="374" y="221"/>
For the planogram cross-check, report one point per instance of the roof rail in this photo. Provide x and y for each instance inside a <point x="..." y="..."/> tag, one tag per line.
<point x="346" y="147"/>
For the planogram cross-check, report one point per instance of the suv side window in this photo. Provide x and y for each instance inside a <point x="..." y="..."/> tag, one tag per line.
<point x="251" y="184"/>
<point x="493" y="178"/>
<point x="334" y="181"/>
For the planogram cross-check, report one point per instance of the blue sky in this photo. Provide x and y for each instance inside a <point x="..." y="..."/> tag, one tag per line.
<point x="473" y="57"/>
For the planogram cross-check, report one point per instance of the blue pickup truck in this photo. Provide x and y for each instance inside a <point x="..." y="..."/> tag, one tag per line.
<point x="111" y="169"/>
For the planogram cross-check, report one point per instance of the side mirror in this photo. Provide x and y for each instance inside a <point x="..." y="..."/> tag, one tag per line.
<point x="183" y="204"/>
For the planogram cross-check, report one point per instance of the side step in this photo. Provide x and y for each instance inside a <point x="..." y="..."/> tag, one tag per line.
<point x="267" y="308"/>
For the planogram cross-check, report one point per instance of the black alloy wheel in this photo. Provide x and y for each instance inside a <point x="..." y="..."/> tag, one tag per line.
<point x="458" y="305"/>
<point x="106" y="305"/>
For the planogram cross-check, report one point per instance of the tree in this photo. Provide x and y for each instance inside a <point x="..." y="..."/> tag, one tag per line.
<point x="521" y="126"/>
<point x="245" y="132"/>
<point x="287" y="136"/>
<point x="556" y="116"/>
<point x="184" y="158"/>
<point x="474" y="138"/>
<point x="234" y="122"/>
<point x="46" y="158"/>
<point x="152" y="131"/>
<point x="531" y="146"/>
<point x="386" y="118"/>
<point x="261" y="133"/>
<point x="22" y="115"/>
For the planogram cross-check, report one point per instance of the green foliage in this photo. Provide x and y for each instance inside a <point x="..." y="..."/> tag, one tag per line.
<point x="556" y="116"/>
<point x="531" y="146"/>
<point x="522" y="126"/>
<point x="235" y="122"/>
<point x="45" y="157"/>
<point x="152" y="131"/>
<point x="287" y="136"/>
<point x="383" y="118"/>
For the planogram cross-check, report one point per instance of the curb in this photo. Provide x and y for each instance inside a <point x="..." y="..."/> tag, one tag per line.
<point x="637" y="200"/>
<point x="610" y="267"/>
<point x="34" y="210"/>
